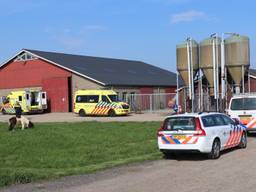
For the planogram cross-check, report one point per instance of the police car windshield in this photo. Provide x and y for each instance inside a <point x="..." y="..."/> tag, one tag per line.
<point x="113" y="98"/>
<point x="243" y="104"/>
<point x="179" y="123"/>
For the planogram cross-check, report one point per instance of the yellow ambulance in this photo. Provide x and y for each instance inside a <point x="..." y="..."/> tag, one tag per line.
<point x="99" y="102"/>
<point x="31" y="101"/>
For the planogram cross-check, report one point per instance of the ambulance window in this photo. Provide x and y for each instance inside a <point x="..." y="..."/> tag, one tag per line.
<point x="43" y="95"/>
<point x="27" y="96"/>
<point x="93" y="98"/>
<point x="105" y="99"/>
<point x="20" y="98"/>
<point x="81" y="99"/>
<point x="113" y="98"/>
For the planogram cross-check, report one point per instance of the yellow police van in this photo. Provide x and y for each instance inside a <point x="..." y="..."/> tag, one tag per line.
<point x="99" y="102"/>
<point x="31" y="101"/>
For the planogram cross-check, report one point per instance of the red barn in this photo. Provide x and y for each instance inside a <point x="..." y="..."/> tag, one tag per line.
<point x="60" y="75"/>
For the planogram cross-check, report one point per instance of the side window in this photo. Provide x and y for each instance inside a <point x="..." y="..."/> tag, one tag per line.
<point x="208" y="121"/>
<point x="20" y="98"/>
<point x="27" y="96"/>
<point x="105" y="99"/>
<point x="81" y="99"/>
<point x="43" y="95"/>
<point x="218" y="120"/>
<point x="227" y="120"/>
<point x="93" y="98"/>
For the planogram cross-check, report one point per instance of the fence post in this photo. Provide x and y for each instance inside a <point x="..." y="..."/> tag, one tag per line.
<point x="151" y="103"/>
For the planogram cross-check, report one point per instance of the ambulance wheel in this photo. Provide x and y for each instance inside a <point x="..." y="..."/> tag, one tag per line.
<point x="3" y="112"/>
<point x="81" y="113"/>
<point x="215" y="152"/>
<point x="111" y="113"/>
<point x="243" y="141"/>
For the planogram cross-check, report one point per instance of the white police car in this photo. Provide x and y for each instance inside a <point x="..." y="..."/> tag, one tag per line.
<point x="207" y="133"/>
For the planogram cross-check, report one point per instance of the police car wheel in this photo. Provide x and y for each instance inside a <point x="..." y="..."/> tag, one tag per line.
<point x="243" y="141"/>
<point x="215" y="152"/>
<point x="82" y="113"/>
<point x="169" y="155"/>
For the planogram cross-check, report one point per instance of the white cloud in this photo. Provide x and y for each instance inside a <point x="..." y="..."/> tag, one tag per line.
<point x="187" y="16"/>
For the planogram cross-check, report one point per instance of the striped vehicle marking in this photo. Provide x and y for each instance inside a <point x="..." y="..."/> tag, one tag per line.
<point x="251" y="124"/>
<point x="187" y="140"/>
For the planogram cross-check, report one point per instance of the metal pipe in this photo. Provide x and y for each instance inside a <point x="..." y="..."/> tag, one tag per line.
<point x="177" y="89"/>
<point x="222" y="67"/>
<point x="192" y="75"/>
<point x="243" y="78"/>
<point x="189" y="78"/>
<point x="214" y="67"/>
<point x="217" y="71"/>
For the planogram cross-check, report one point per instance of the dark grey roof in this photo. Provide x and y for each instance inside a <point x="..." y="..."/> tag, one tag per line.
<point x="110" y="72"/>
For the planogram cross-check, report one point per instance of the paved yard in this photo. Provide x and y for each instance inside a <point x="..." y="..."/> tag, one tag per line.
<point x="71" y="117"/>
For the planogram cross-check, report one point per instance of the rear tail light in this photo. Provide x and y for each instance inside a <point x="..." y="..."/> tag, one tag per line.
<point x="160" y="131"/>
<point x="199" y="130"/>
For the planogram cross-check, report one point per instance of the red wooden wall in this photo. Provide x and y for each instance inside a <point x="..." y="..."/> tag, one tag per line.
<point x="38" y="73"/>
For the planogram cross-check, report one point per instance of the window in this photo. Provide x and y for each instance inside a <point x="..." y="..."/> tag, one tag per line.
<point x="243" y="104"/>
<point x="43" y="95"/>
<point x="87" y="99"/>
<point x="227" y="120"/>
<point x="113" y="98"/>
<point x="27" y="96"/>
<point x="20" y="98"/>
<point x="25" y="57"/>
<point x="124" y="96"/>
<point x="218" y="120"/>
<point x="179" y="123"/>
<point x="105" y="99"/>
<point x="208" y="121"/>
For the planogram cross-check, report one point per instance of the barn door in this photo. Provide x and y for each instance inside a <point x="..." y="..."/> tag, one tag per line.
<point x="57" y="94"/>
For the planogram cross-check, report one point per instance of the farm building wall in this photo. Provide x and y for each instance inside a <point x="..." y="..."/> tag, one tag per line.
<point x="17" y="75"/>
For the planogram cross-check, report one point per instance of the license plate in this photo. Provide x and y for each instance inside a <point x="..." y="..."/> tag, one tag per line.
<point x="245" y="117"/>
<point x="179" y="137"/>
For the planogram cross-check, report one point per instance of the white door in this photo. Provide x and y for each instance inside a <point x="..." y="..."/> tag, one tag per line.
<point x="44" y="100"/>
<point x="28" y="99"/>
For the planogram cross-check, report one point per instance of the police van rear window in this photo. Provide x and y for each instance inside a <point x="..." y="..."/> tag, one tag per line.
<point x="179" y="123"/>
<point x="243" y="104"/>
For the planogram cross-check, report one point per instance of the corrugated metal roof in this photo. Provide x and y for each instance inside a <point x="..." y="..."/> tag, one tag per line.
<point x="111" y="72"/>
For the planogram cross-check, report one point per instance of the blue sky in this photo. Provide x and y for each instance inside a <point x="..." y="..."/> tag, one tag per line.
<point x="145" y="30"/>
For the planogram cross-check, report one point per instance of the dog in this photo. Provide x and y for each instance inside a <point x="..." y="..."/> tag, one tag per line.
<point x="25" y="123"/>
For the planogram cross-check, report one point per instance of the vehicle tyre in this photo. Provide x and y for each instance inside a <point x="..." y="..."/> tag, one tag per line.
<point x="243" y="141"/>
<point x="81" y="113"/>
<point x="215" y="152"/>
<point x="169" y="155"/>
<point x="111" y="113"/>
<point x="4" y="112"/>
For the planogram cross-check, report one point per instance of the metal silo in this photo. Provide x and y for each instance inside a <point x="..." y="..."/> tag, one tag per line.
<point x="182" y="60"/>
<point x="237" y="58"/>
<point x="207" y="60"/>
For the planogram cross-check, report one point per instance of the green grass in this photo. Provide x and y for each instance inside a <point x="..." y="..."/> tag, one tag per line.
<point x="52" y="150"/>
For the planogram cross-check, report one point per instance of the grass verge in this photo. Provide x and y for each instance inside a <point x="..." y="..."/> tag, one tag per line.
<point x="52" y="150"/>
